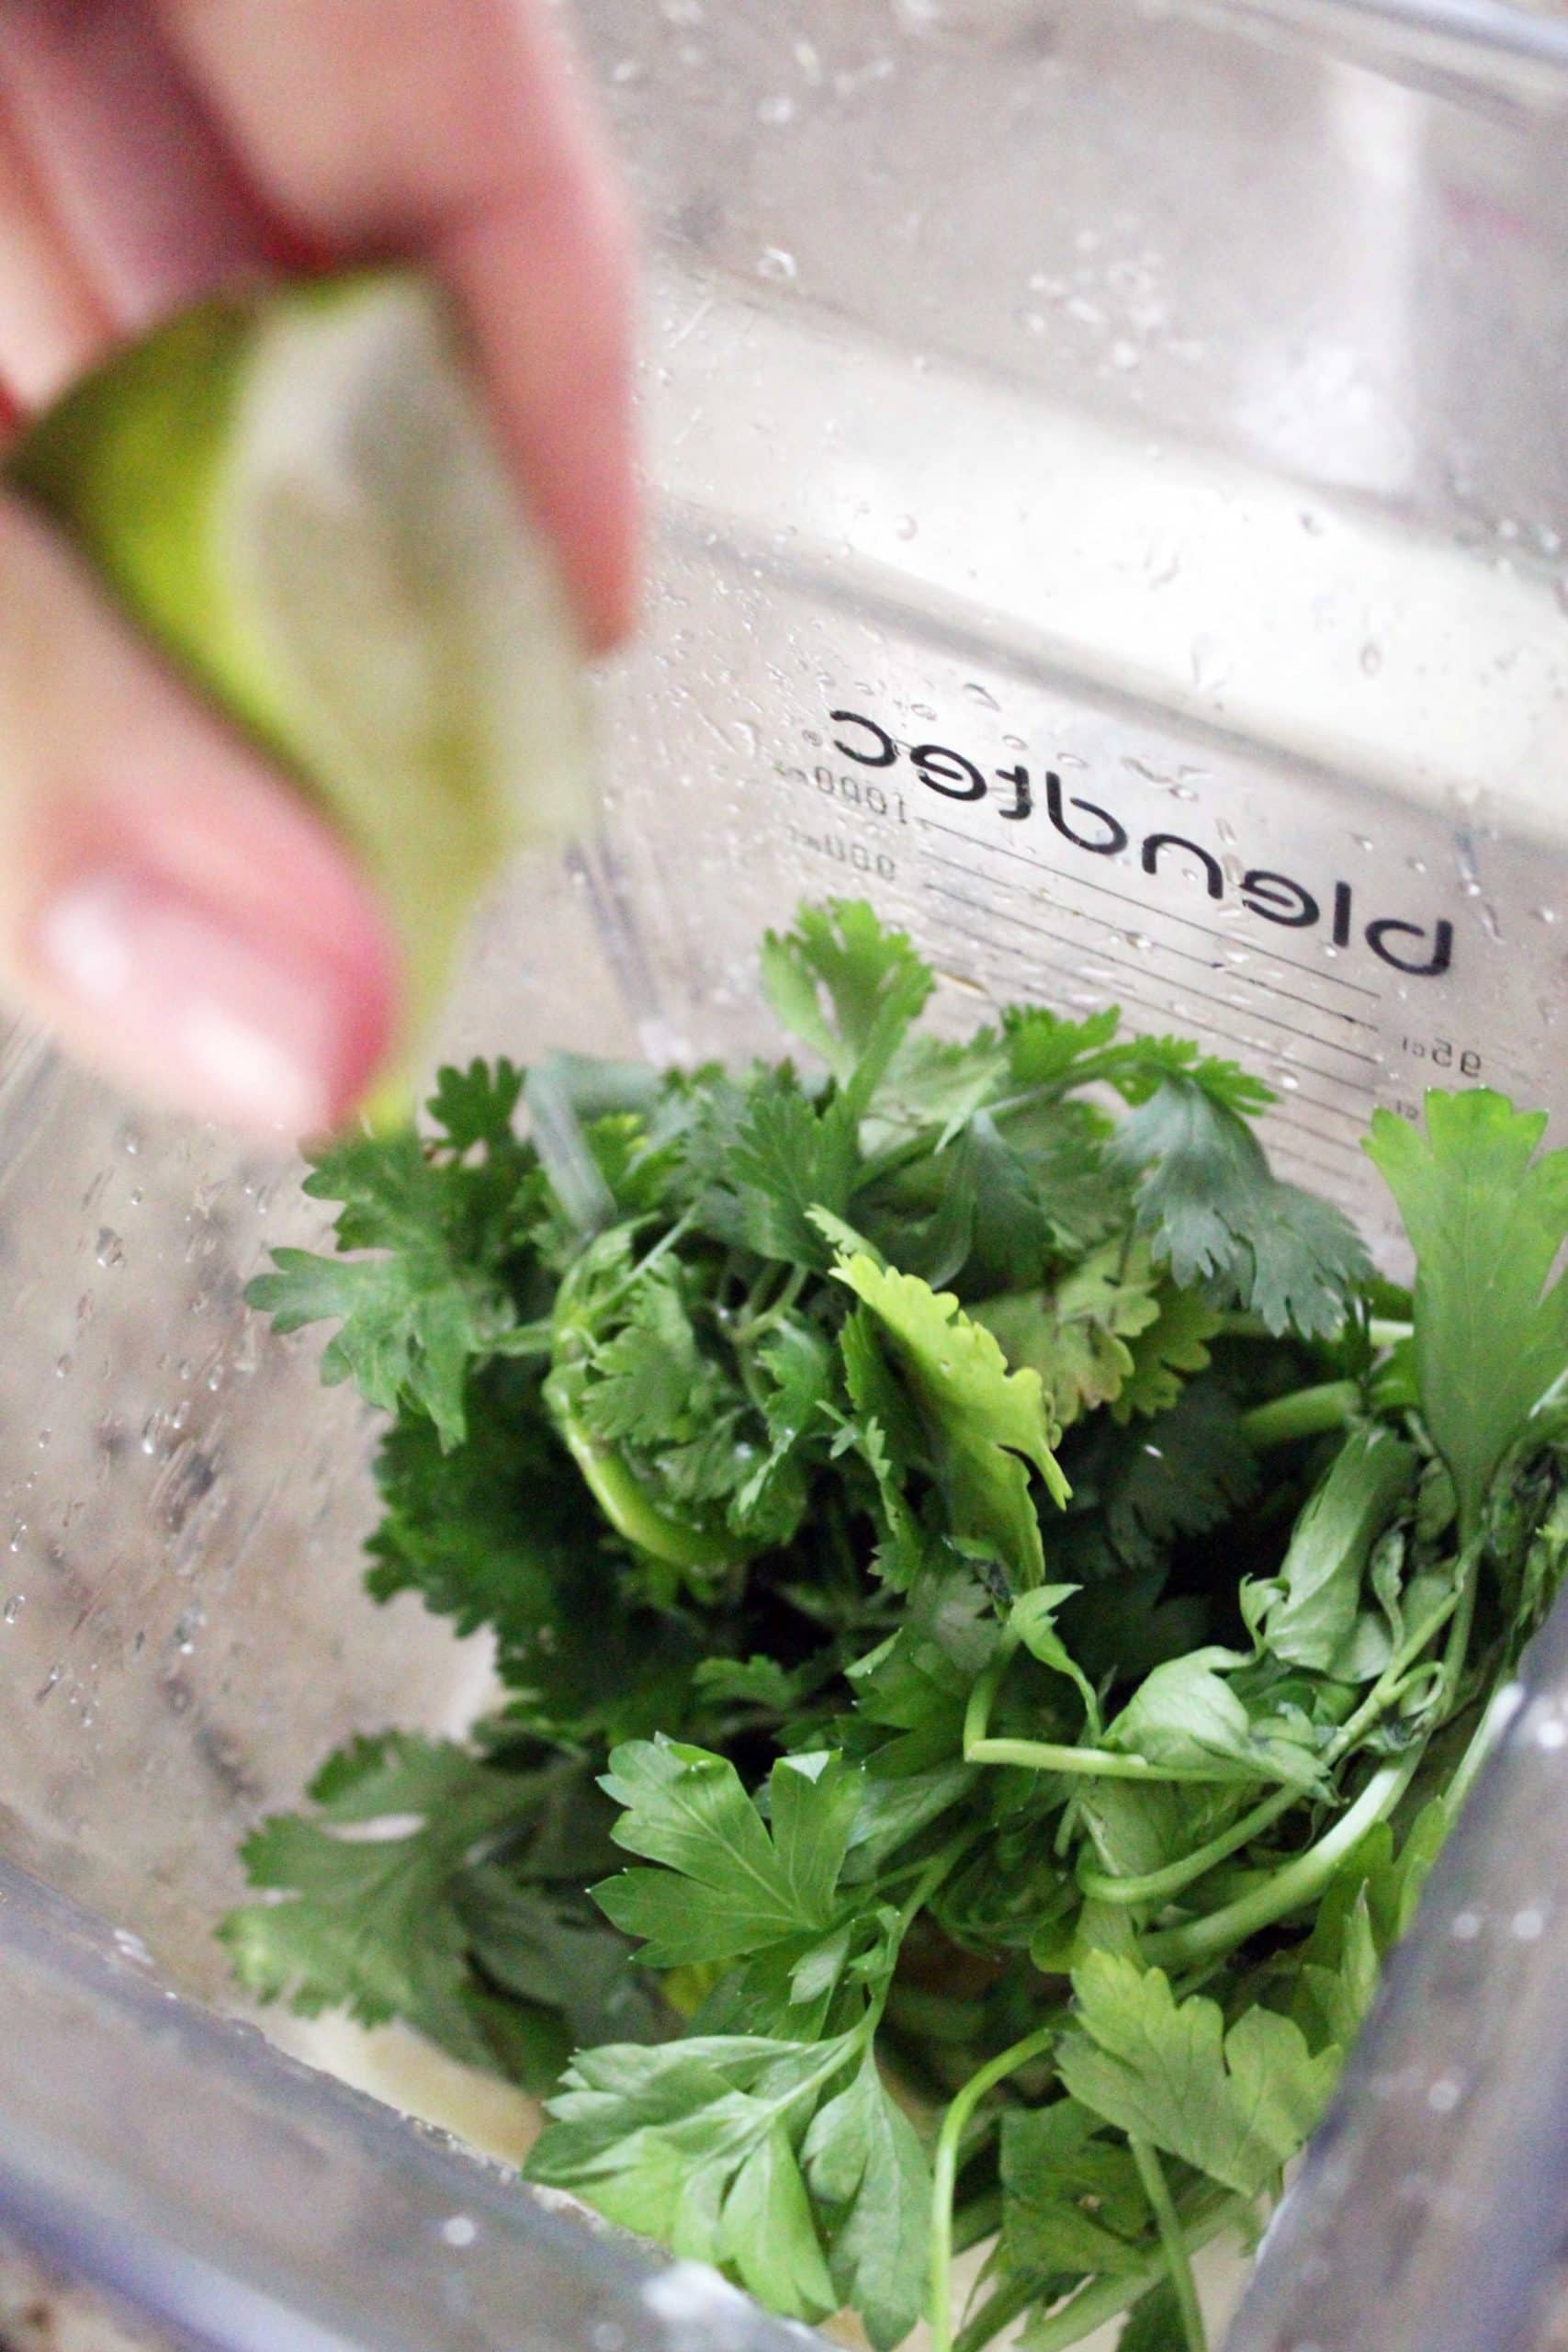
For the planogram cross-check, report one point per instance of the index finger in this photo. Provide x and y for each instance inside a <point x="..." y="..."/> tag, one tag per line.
<point x="455" y="131"/>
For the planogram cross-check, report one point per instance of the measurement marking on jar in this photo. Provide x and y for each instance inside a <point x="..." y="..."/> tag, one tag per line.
<point x="1275" y="1117"/>
<point x="1443" y="1054"/>
<point x="1162" y="1013"/>
<point x="1122" y="964"/>
<point x="1349" y="1148"/>
<point x="1164" y="947"/>
<point x="1165" y="914"/>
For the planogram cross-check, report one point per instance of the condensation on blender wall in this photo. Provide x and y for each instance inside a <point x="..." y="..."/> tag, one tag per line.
<point x="979" y="24"/>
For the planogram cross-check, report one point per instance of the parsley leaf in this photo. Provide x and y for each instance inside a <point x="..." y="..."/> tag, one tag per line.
<point x="1234" y="2105"/>
<point x="1486" y="1217"/>
<point x="871" y="2181"/>
<point x="954" y="1524"/>
<point x="728" y="1887"/>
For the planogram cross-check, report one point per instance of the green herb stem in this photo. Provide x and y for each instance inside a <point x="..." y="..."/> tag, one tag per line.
<point x="945" y="2170"/>
<point x="748" y="1328"/>
<point x="1094" y="2304"/>
<point x="1158" y="1886"/>
<point x="1287" y="1889"/>
<point x="621" y="1498"/>
<point x="1047" y="1755"/>
<point x="1095" y="1763"/>
<point x="1308" y="1412"/>
<point x="1179" y="2262"/>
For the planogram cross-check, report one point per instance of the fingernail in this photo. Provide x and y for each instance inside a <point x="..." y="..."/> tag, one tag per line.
<point x="179" y="1004"/>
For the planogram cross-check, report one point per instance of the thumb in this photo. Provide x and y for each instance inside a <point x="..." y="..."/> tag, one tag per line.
<point x="172" y="910"/>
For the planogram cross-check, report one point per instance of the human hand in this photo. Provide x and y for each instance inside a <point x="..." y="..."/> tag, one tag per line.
<point x="171" y="910"/>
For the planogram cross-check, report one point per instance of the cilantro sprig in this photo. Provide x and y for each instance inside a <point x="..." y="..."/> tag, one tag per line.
<point x="996" y="1610"/>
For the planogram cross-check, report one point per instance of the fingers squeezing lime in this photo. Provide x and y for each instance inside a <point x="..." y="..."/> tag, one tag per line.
<point x="298" y="495"/>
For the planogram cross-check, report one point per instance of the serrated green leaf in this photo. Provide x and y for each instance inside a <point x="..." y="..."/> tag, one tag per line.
<point x="986" y="1427"/>
<point x="1170" y="1351"/>
<point x="1236" y="2105"/>
<point x="1076" y="1334"/>
<point x="728" y="1886"/>
<point x="1487" y="1213"/>
<point x="869" y="2176"/>
<point x="372" y="1924"/>
<point x="693" y="2144"/>
<point x="1214" y="1212"/>
<point x="873" y="981"/>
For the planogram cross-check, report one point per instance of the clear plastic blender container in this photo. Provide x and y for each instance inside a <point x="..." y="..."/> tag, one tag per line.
<point x="1112" y="468"/>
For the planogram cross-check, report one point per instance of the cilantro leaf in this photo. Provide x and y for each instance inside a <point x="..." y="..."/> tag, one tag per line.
<point x="728" y="1886"/>
<point x="987" y="1426"/>
<point x="1236" y="2105"/>
<point x="1179" y="1476"/>
<point x="787" y="1157"/>
<point x="1486" y="1217"/>
<point x="375" y="1925"/>
<point x="1142" y="1066"/>
<point x="874" y="982"/>
<point x="1045" y="1047"/>
<point x="1166" y="1352"/>
<point x="476" y="1105"/>
<point x="1216" y="1214"/>
<point x="1076" y="1335"/>
<point x="412" y="1319"/>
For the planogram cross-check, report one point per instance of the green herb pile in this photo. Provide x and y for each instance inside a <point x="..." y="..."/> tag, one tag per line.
<point x="1025" y="1595"/>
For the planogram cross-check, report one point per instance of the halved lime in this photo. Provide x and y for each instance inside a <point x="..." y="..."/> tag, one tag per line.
<point x="298" y="495"/>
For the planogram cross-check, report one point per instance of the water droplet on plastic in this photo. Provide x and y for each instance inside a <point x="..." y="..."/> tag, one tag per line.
<point x="780" y="267"/>
<point x="13" y="1609"/>
<point x="776" y="110"/>
<point x="1546" y="914"/>
<point x="109" y="1249"/>
<point x="1123" y="357"/>
<point x="1372" y="658"/>
<point x="131" y="1947"/>
<point x="906" y="527"/>
<point x="460" y="2230"/>
<point x="982" y="694"/>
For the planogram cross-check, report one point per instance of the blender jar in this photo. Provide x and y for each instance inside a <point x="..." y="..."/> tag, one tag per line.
<point x="1112" y="474"/>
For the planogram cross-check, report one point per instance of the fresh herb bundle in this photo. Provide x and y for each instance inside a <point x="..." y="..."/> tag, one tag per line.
<point x="1025" y="1593"/>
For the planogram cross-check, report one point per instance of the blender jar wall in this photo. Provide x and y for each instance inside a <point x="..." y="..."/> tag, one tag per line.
<point x="1073" y="392"/>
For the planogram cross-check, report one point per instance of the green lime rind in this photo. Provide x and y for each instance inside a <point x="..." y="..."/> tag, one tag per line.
<point x="296" y="495"/>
